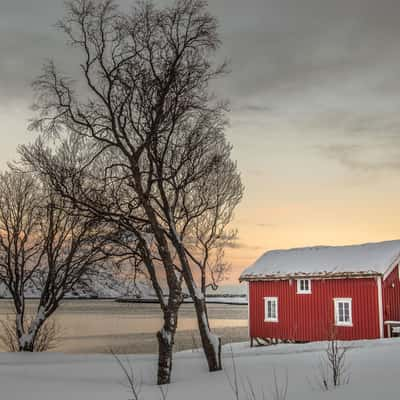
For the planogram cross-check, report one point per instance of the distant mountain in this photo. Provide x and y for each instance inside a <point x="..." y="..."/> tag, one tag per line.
<point x="108" y="285"/>
<point x="104" y="285"/>
<point x="231" y="290"/>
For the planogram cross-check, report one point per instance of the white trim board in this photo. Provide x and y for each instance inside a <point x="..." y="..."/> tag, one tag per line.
<point x="380" y="307"/>
<point x="248" y="309"/>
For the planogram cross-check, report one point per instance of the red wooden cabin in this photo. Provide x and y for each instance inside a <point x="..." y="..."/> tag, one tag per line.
<point x="308" y="294"/>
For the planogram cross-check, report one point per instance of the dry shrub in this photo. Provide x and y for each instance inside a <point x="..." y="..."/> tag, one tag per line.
<point x="334" y="369"/>
<point x="245" y="389"/>
<point x="131" y="381"/>
<point x="46" y="339"/>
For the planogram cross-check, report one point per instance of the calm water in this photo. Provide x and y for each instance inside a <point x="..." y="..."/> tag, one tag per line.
<point x="92" y="326"/>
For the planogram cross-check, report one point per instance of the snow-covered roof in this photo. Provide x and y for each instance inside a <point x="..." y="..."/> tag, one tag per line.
<point x="361" y="259"/>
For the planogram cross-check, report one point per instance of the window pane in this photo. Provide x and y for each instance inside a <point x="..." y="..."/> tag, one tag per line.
<point x="341" y="312"/>
<point x="271" y="309"/>
<point x="346" y="312"/>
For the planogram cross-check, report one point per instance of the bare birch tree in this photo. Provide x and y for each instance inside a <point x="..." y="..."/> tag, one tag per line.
<point x="44" y="245"/>
<point x="150" y="119"/>
<point x="103" y="188"/>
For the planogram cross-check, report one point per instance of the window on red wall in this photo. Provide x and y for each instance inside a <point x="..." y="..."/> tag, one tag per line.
<point x="271" y="309"/>
<point x="304" y="286"/>
<point x="343" y="312"/>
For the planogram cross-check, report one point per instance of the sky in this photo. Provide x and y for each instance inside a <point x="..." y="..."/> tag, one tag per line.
<point x="314" y="93"/>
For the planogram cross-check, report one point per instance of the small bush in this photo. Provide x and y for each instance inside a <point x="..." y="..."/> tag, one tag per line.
<point x="47" y="338"/>
<point x="334" y="369"/>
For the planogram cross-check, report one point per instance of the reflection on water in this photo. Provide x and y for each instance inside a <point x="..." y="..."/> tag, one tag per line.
<point x="101" y="325"/>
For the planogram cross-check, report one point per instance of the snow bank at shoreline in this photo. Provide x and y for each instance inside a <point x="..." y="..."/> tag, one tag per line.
<point x="374" y="370"/>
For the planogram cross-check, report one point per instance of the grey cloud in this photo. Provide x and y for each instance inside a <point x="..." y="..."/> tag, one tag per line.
<point x="346" y="155"/>
<point x="359" y="158"/>
<point x="366" y="141"/>
<point x="383" y="125"/>
<point x="286" y="54"/>
<point x="23" y="62"/>
<point x="27" y="39"/>
<point x="293" y="50"/>
<point x="256" y="108"/>
<point x="241" y="245"/>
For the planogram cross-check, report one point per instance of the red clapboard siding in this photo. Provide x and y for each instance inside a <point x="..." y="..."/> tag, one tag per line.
<point x="391" y="297"/>
<point x="310" y="317"/>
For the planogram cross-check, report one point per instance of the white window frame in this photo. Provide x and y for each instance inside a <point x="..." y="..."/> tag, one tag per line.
<point x="266" y="317"/>
<point x="302" y="291"/>
<point x="349" y="301"/>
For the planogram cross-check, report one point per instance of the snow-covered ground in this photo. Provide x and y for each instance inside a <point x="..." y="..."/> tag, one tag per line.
<point x="374" y="368"/>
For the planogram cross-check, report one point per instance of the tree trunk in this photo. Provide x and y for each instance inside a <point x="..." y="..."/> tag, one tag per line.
<point x="166" y="337"/>
<point x="26" y="340"/>
<point x="170" y="310"/>
<point x="26" y="345"/>
<point x="211" y="343"/>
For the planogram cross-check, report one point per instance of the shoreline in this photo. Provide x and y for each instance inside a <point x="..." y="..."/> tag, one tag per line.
<point x="218" y="300"/>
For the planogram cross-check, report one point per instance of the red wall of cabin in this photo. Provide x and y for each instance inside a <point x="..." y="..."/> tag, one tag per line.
<point x="391" y="297"/>
<point x="310" y="317"/>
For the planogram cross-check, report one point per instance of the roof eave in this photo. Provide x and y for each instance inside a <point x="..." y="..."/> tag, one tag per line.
<point x="322" y="275"/>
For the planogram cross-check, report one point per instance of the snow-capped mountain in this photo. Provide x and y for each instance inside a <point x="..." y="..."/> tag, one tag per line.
<point x="105" y="284"/>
